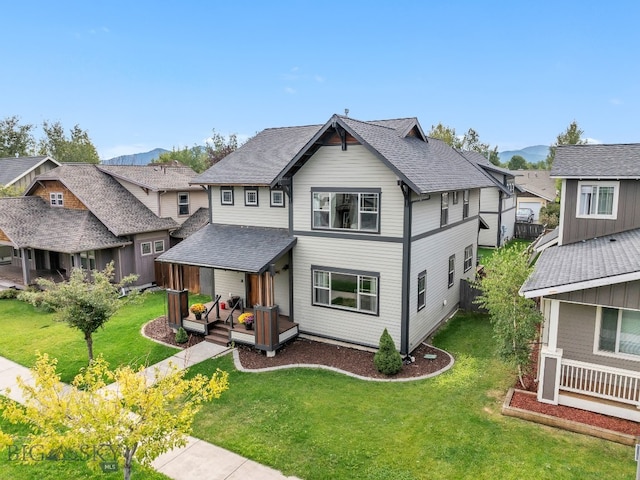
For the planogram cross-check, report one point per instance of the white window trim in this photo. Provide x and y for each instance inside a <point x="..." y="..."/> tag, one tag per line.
<point x="423" y="275"/>
<point x="465" y="203"/>
<point x="142" y="244"/>
<point x="359" y="194"/>
<point x="180" y="204"/>
<point x="276" y="204"/>
<point x="359" y="276"/>
<point x="155" y="250"/>
<point x="247" y="203"/>
<point x="56" y="199"/>
<point x="616" y="192"/>
<point x="469" y="258"/>
<point x="596" y="338"/>
<point x="444" y="209"/>
<point x="222" y="192"/>
<point x="451" y="271"/>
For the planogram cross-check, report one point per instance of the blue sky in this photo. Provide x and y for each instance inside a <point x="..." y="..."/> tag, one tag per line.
<point x="140" y="74"/>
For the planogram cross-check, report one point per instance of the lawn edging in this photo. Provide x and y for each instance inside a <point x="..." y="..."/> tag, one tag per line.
<point x="570" y="425"/>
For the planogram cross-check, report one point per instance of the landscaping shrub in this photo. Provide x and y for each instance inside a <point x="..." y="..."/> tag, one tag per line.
<point x="387" y="359"/>
<point x="181" y="336"/>
<point x="9" y="293"/>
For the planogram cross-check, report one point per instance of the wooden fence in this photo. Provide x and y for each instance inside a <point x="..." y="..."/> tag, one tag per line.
<point x="528" y="231"/>
<point x="468" y="294"/>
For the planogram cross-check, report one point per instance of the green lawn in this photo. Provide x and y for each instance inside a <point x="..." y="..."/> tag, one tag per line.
<point x="322" y="425"/>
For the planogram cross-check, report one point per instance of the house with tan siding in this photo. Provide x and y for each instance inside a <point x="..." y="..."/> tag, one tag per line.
<point x="345" y="229"/>
<point x="588" y="282"/>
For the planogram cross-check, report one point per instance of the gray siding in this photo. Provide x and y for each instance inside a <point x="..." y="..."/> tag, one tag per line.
<point x="623" y="295"/>
<point x="145" y="264"/>
<point x="628" y="217"/>
<point x="576" y="336"/>
<point x="264" y="215"/>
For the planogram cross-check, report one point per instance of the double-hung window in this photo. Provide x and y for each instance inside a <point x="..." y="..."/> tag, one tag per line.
<point x="183" y="203"/>
<point x="444" y="209"/>
<point x="597" y="199"/>
<point x="452" y="270"/>
<point x="354" y="210"/>
<point x="468" y="257"/>
<point x="345" y="290"/>
<point x="465" y="204"/>
<point x="422" y="290"/>
<point x="618" y="332"/>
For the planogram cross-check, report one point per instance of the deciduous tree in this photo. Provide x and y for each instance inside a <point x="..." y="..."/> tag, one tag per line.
<point x="218" y="147"/>
<point x="16" y="140"/>
<point x="515" y="319"/>
<point x="195" y="157"/>
<point x="517" y="162"/>
<point x="469" y="141"/>
<point x="571" y="136"/>
<point x="133" y="421"/>
<point x="75" y="148"/>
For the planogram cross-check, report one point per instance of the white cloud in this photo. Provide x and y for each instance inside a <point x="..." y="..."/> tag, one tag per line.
<point x="290" y="90"/>
<point x="615" y="101"/>
<point x="592" y="141"/>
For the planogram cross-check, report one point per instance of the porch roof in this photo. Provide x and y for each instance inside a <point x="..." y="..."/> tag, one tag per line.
<point x="593" y="263"/>
<point x="231" y="247"/>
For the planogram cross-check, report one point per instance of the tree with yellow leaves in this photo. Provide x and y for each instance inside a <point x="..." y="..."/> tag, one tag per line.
<point x="134" y="417"/>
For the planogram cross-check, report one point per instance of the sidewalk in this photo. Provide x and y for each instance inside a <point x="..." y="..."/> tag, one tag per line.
<point x="197" y="459"/>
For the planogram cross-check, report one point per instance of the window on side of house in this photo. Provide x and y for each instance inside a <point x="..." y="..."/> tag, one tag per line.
<point x="183" y="203"/>
<point x="454" y="197"/>
<point x="277" y="198"/>
<point x="145" y="248"/>
<point x="355" y="211"/>
<point x="465" y="204"/>
<point x="56" y="199"/>
<point x="422" y="290"/>
<point x="444" y="209"/>
<point x="88" y="260"/>
<point x="618" y="332"/>
<point x="158" y="246"/>
<point x="468" y="257"/>
<point x="452" y="270"/>
<point x="597" y="200"/>
<point x="345" y="290"/>
<point x="251" y="197"/>
<point x="226" y="195"/>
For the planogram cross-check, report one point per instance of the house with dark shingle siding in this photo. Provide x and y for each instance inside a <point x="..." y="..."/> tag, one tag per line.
<point x="79" y="216"/>
<point x="346" y="228"/>
<point x="587" y="280"/>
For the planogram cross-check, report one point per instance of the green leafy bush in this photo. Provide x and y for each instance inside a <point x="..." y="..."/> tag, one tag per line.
<point x="387" y="359"/>
<point x="181" y="336"/>
<point x="9" y="293"/>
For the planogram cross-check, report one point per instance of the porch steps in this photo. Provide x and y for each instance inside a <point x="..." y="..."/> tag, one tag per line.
<point x="219" y="333"/>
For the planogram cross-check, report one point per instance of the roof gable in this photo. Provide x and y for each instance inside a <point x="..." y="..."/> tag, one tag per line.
<point x="153" y="177"/>
<point x="13" y="169"/>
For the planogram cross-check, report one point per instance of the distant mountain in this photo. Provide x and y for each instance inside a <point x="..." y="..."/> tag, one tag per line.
<point x="534" y="154"/>
<point x="136" y="158"/>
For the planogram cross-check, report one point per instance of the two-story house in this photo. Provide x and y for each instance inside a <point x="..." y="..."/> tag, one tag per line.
<point x="588" y="283"/>
<point x="349" y="228"/>
<point x="19" y="172"/>
<point x="79" y="216"/>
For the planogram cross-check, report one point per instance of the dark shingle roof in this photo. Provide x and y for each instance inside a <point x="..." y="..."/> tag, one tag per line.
<point x="599" y="261"/>
<point x="154" y="177"/>
<point x="231" y="247"/>
<point x="259" y="161"/>
<point x="120" y="211"/>
<point x="485" y="166"/>
<point x="30" y="222"/>
<point x="12" y="168"/>
<point x="597" y="161"/>
<point x="537" y="182"/>
<point x="192" y="224"/>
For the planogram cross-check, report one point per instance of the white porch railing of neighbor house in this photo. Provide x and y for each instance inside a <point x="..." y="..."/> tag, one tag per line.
<point x="602" y="382"/>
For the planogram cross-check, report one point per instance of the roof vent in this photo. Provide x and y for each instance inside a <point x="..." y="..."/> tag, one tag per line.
<point x="612" y="239"/>
<point x="346" y="112"/>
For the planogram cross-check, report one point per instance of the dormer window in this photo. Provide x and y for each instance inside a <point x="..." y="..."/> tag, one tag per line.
<point x="597" y="200"/>
<point x="56" y="199"/>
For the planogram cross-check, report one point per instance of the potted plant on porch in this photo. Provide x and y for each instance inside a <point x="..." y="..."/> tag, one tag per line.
<point x="198" y="309"/>
<point x="247" y="320"/>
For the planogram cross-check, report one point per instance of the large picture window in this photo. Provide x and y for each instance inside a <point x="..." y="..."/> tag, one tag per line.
<point x="619" y="331"/>
<point x="597" y="199"/>
<point x="345" y="290"/>
<point x="346" y="211"/>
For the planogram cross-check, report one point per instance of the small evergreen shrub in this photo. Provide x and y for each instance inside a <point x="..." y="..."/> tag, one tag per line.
<point x="9" y="293"/>
<point x="181" y="336"/>
<point x="387" y="359"/>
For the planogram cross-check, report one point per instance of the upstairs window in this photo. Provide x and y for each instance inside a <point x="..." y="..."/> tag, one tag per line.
<point x="251" y="197"/>
<point x="465" y="204"/>
<point x="158" y="246"/>
<point x="422" y="290"/>
<point x="444" y="209"/>
<point x="597" y="200"/>
<point x="183" y="203"/>
<point x="468" y="257"/>
<point x="357" y="211"/>
<point x="226" y="195"/>
<point x="455" y="197"/>
<point x="56" y="199"/>
<point x="452" y="270"/>
<point x="277" y="198"/>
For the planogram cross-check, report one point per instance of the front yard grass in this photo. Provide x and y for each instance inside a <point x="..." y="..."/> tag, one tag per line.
<point x="317" y="424"/>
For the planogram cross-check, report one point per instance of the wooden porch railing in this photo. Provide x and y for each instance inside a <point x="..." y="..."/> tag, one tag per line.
<point x="602" y="382"/>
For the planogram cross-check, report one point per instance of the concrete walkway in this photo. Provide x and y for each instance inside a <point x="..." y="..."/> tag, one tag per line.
<point x="197" y="459"/>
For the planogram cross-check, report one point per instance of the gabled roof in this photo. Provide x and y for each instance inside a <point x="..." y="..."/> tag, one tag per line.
<point x="485" y="166"/>
<point x="30" y="222"/>
<point x="117" y="208"/>
<point x="592" y="263"/>
<point x="536" y="182"/>
<point x="153" y="177"/>
<point x="597" y="161"/>
<point x="13" y="169"/>
<point x="195" y="222"/>
<point x="231" y="247"/>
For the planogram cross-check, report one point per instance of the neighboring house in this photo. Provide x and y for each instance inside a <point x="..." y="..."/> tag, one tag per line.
<point x="497" y="202"/>
<point x="588" y="283"/>
<point x="19" y="172"/>
<point x="346" y="228"/>
<point x="163" y="189"/>
<point x="535" y="189"/>
<point x="78" y="216"/>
